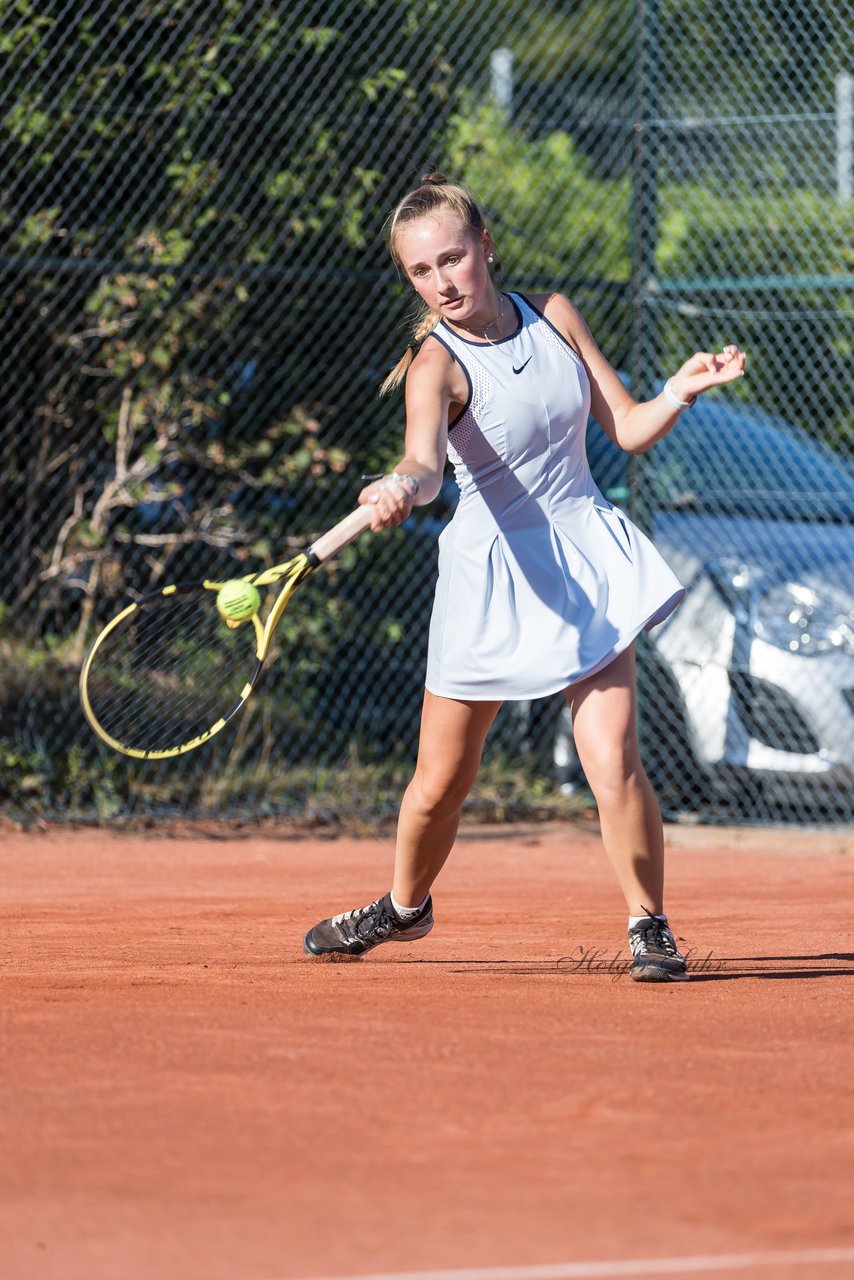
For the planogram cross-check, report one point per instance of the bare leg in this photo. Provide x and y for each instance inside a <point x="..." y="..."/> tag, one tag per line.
<point x="452" y="738"/>
<point x="604" y="717"/>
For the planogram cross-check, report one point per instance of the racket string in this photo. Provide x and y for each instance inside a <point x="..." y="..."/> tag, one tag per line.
<point x="170" y="672"/>
<point x="166" y="674"/>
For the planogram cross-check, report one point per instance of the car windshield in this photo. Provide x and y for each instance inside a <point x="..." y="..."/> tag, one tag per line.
<point x="724" y="461"/>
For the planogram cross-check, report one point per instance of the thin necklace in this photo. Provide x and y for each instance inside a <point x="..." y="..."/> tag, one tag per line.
<point x="491" y="325"/>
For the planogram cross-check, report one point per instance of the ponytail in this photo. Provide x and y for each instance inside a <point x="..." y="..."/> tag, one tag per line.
<point x="424" y="326"/>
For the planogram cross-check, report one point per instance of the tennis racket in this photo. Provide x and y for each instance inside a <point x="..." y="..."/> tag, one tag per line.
<point x="168" y="672"/>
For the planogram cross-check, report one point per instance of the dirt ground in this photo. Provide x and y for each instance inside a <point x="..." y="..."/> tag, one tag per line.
<point x="187" y="1096"/>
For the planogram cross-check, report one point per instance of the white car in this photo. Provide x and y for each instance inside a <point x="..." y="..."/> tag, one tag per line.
<point x="747" y="690"/>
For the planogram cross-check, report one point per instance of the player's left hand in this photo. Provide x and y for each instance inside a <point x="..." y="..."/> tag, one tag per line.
<point x="705" y="369"/>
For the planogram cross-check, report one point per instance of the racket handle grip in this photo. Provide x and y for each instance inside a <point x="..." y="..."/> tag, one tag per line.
<point x="341" y="535"/>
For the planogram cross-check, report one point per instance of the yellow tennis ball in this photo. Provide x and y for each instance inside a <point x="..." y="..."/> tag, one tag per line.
<point x="237" y="600"/>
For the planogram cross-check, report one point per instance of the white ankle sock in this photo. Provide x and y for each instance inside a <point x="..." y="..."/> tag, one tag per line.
<point x="633" y="920"/>
<point x="407" y="913"/>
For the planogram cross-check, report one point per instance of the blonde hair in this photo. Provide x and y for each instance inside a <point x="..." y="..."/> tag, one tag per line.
<point x="435" y="195"/>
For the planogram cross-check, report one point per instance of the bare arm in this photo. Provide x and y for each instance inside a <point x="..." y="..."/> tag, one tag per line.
<point x="636" y="426"/>
<point x="434" y="384"/>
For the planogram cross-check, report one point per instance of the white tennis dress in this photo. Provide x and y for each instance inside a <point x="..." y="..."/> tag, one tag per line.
<point x="541" y="580"/>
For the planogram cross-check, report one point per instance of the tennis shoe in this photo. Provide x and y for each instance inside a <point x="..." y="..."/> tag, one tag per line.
<point x="354" y="932"/>
<point x="655" y="955"/>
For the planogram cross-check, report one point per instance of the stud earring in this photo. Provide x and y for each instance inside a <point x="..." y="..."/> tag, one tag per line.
<point x="491" y="258"/>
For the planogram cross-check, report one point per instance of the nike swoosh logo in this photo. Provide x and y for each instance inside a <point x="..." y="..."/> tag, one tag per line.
<point x="521" y="366"/>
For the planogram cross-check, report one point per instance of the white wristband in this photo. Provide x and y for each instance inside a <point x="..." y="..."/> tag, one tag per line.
<point x="672" y="398"/>
<point x="405" y="481"/>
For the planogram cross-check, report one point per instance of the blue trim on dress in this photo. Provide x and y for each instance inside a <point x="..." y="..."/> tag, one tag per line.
<point x="458" y="361"/>
<point x="553" y="328"/>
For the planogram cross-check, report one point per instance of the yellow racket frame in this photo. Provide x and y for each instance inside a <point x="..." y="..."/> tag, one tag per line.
<point x="293" y="572"/>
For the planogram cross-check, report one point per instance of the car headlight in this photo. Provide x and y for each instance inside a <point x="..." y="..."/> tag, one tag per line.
<point x="797" y="618"/>
<point x="789" y="615"/>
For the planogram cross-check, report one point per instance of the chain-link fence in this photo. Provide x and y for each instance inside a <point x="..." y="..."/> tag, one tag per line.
<point x="199" y="308"/>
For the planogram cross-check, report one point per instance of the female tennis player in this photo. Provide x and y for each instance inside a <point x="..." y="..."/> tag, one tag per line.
<point x="543" y="584"/>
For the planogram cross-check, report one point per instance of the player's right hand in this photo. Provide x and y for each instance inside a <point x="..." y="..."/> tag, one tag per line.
<point x="392" y="502"/>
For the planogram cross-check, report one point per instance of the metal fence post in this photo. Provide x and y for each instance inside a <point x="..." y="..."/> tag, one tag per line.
<point x="501" y="81"/>
<point x="844" y="136"/>
<point x="645" y="352"/>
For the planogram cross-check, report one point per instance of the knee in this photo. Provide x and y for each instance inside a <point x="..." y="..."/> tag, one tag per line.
<point x="614" y="771"/>
<point x="434" y="795"/>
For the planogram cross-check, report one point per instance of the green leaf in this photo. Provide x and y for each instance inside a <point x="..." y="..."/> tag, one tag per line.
<point x="320" y="38"/>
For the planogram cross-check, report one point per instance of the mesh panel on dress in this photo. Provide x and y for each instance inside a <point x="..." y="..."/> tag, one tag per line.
<point x="557" y="343"/>
<point x="461" y="436"/>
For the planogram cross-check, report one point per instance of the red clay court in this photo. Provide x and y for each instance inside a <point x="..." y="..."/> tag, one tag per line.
<point x="186" y="1096"/>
